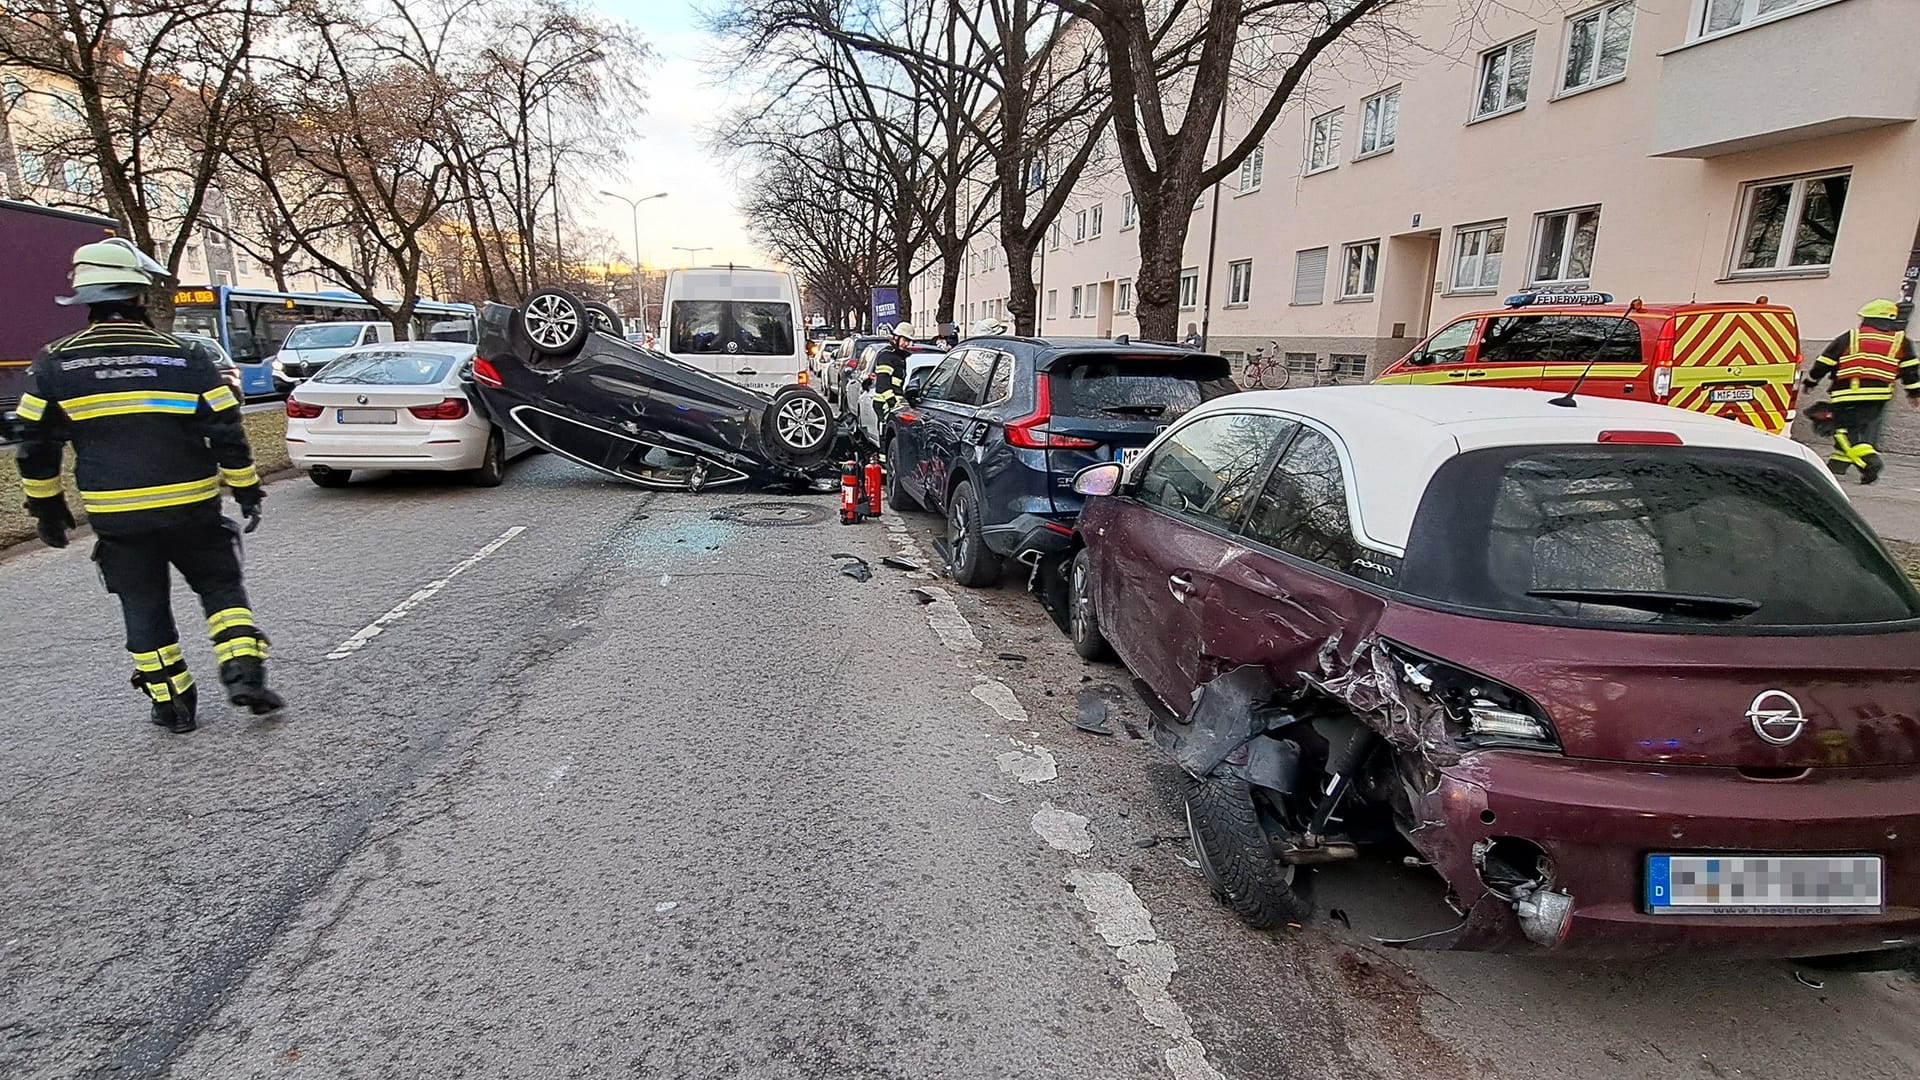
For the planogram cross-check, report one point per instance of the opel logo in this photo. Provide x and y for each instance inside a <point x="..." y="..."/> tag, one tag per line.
<point x="1776" y="717"/>
<point x="361" y="398"/>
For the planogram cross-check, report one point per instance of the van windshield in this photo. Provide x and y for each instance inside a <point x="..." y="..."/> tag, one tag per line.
<point x="323" y="336"/>
<point x="1658" y="536"/>
<point x="753" y="328"/>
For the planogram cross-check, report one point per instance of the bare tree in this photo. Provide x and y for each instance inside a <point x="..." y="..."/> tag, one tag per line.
<point x="1173" y="71"/>
<point x="153" y="85"/>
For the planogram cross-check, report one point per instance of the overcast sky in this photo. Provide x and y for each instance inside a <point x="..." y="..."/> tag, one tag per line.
<point x="684" y="96"/>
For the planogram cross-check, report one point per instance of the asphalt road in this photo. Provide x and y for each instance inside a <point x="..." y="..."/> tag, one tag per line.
<point x="584" y="781"/>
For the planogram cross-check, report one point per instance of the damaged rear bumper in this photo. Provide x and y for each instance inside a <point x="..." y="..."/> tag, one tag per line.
<point x="1598" y="821"/>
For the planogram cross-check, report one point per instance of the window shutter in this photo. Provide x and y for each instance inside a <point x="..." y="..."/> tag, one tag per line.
<point x="1310" y="276"/>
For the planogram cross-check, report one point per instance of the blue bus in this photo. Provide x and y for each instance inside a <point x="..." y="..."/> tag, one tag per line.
<point x="251" y="323"/>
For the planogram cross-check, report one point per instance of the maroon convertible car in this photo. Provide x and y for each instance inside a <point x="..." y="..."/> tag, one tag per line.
<point x="1631" y="680"/>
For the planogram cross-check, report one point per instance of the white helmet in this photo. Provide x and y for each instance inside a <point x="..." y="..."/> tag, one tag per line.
<point x="989" y="327"/>
<point x="905" y="330"/>
<point x="111" y="269"/>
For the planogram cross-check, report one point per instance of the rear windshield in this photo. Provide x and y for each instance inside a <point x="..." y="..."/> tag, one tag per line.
<point x="1658" y="536"/>
<point x="1560" y="339"/>
<point x="387" y="368"/>
<point x="323" y="336"/>
<point x="753" y="328"/>
<point x="1152" y="386"/>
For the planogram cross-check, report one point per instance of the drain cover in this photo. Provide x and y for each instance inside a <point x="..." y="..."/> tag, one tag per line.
<point x="774" y="514"/>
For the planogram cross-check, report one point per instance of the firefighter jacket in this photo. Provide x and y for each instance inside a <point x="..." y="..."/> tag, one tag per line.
<point x="154" y="428"/>
<point x="1865" y="364"/>
<point x="889" y="378"/>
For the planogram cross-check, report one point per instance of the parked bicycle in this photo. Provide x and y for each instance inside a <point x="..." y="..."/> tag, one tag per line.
<point x="1264" y="371"/>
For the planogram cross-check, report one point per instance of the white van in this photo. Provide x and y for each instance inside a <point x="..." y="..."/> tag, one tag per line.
<point x="740" y="324"/>
<point x="312" y="346"/>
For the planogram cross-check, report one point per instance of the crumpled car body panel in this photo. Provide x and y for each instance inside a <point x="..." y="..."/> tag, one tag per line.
<point x="631" y="413"/>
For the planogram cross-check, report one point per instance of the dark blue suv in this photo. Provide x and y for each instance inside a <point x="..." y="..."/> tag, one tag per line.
<point x="995" y="434"/>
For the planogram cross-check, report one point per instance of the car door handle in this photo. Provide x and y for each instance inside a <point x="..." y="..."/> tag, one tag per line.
<point x="746" y="371"/>
<point x="1181" y="587"/>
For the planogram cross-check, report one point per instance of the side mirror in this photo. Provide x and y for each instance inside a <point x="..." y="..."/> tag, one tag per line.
<point x="914" y="394"/>
<point x="1101" y="479"/>
<point x="1419" y="358"/>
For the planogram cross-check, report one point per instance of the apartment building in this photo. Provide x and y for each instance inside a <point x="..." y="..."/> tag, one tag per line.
<point x="1688" y="150"/>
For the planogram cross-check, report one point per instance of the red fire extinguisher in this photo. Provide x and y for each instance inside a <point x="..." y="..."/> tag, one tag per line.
<point x="873" y="488"/>
<point x="850" y="493"/>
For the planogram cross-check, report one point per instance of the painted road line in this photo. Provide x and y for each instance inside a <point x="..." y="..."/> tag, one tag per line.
<point x="400" y="610"/>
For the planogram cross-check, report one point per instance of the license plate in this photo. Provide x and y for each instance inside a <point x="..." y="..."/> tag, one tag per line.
<point x="1127" y="455"/>
<point x="366" y="416"/>
<point x="1765" y="884"/>
<point x="1721" y="395"/>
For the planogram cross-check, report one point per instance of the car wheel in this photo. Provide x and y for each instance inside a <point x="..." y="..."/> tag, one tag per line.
<point x="799" y="426"/>
<point x="493" y="465"/>
<point x="329" y="478"/>
<point x="554" y="322"/>
<point x="897" y="497"/>
<point x="1236" y="858"/>
<point x="604" y="319"/>
<point x="968" y="556"/>
<point x="1083" y="622"/>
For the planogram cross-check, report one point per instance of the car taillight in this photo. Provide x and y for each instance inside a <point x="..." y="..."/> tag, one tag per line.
<point x="1663" y="361"/>
<point x="1479" y="711"/>
<point x="1030" y="431"/>
<point x="300" y="410"/>
<point x="486" y="374"/>
<point x="452" y="408"/>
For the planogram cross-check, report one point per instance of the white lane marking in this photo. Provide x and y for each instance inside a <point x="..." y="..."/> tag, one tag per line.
<point x="1122" y="920"/>
<point x="1029" y="764"/>
<point x="1063" y="829"/>
<point x="953" y="629"/>
<point x="999" y="697"/>
<point x="420" y="596"/>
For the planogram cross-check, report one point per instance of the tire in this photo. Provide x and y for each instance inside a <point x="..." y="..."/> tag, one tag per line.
<point x="969" y="559"/>
<point x="1083" y="621"/>
<point x="329" y="478"/>
<point x="493" y="465"/>
<point x="799" y="427"/>
<point x="553" y="322"/>
<point x="897" y="497"/>
<point x="1236" y="858"/>
<point x="604" y="319"/>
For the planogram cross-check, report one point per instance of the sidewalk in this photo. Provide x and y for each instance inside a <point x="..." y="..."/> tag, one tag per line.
<point x="1891" y="506"/>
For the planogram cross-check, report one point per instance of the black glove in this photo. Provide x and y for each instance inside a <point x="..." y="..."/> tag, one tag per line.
<point x="250" y="498"/>
<point x="51" y="519"/>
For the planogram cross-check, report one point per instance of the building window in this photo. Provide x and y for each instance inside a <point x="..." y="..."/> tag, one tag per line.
<point x="1310" y="276"/>
<point x="1379" y="122"/>
<point x="1362" y="263"/>
<point x="1123" y="296"/>
<point x="1347" y="367"/>
<point x="1053" y="237"/>
<point x="1476" y="255"/>
<point x="1240" y="281"/>
<point x="241" y="264"/>
<point x="1597" y="44"/>
<point x="1503" y="78"/>
<point x="1189" y="288"/>
<point x="1563" y="245"/>
<point x="1323" y="142"/>
<point x="1129" y="211"/>
<point x="64" y="109"/>
<point x="193" y="255"/>
<point x="33" y="168"/>
<point x="1790" y="224"/>
<point x="1079" y="225"/>
<point x="1053" y="303"/>
<point x="1077" y="309"/>
<point x="1093" y="221"/>
<point x="1252" y="168"/>
<point x="1720" y="15"/>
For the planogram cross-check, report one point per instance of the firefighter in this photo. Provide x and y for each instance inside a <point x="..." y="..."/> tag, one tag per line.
<point x="1865" y="365"/>
<point x="890" y="371"/>
<point x="155" y="430"/>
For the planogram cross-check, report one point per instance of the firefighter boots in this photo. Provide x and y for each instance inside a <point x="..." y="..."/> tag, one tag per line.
<point x="246" y="681"/>
<point x="176" y="713"/>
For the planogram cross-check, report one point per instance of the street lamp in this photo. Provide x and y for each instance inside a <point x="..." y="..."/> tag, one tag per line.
<point x="691" y="251"/>
<point x="639" y="297"/>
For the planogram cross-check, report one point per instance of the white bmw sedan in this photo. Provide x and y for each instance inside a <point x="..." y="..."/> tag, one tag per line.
<point x="401" y="406"/>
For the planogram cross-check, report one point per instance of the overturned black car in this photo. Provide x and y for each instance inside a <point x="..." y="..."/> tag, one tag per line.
<point x="557" y="369"/>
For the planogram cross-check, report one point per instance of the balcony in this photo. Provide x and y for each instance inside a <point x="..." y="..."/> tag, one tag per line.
<point x="1843" y="66"/>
